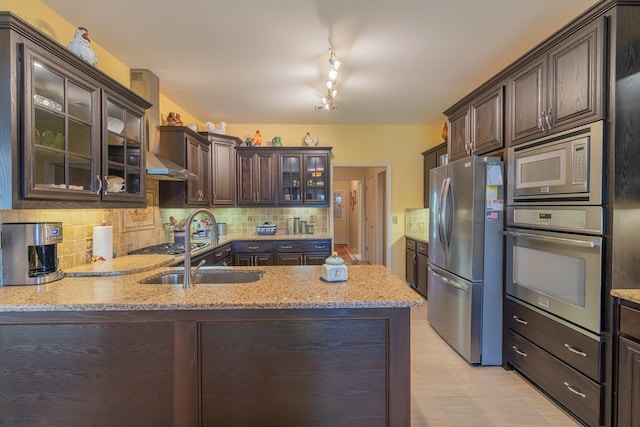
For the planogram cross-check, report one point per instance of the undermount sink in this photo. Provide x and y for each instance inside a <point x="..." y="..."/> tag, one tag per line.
<point x="205" y="276"/>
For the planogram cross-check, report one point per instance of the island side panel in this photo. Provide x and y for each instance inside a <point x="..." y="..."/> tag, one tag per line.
<point x="80" y="373"/>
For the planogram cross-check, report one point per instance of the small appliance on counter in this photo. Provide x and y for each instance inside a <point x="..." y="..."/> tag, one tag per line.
<point x="266" y="229"/>
<point x="334" y="269"/>
<point x="30" y="253"/>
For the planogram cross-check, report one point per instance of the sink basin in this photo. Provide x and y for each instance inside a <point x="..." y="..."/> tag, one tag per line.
<point x="205" y="276"/>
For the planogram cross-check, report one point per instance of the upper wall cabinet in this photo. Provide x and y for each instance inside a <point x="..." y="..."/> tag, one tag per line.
<point x="303" y="178"/>
<point x="191" y="151"/>
<point x="283" y="176"/>
<point x="559" y="89"/>
<point x="223" y="174"/>
<point x="478" y="127"/>
<point x="70" y="135"/>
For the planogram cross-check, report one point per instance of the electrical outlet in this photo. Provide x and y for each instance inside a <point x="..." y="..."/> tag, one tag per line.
<point x="312" y="218"/>
<point x="394" y="219"/>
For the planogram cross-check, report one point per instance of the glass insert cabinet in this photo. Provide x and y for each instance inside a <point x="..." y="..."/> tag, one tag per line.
<point x="304" y="178"/>
<point x="82" y="140"/>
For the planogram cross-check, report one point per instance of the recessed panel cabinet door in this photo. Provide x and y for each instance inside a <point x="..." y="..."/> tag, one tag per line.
<point x="527" y="99"/>
<point x="487" y="118"/>
<point x="575" y="78"/>
<point x="459" y="135"/>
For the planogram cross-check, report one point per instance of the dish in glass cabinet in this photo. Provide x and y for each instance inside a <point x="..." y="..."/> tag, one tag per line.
<point x="47" y="138"/>
<point x="115" y="125"/>
<point x="39" y="99"/>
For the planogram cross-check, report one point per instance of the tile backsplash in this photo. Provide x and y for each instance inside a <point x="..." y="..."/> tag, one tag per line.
<point x="136" y="228"/>
<point x="417" y="222"/>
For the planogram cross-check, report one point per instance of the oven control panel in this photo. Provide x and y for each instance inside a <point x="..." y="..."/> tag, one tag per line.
<point x="584" y="219"/>
<point x="574" y="218"/>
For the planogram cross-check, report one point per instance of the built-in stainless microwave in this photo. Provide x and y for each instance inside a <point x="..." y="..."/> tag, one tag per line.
<point x="565" y="168"/>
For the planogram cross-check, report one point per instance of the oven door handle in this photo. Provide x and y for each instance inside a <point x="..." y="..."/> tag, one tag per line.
<point x="553" y="239"/>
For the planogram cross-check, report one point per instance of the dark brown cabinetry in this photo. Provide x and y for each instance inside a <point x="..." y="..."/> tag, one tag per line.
<point x="628" y="370"/>
<point x="560" y="89"/>
<point x="411" y="260"/>
<point x="422" y="264"/>
<point x="69" y="130"/>
<point x="256" y="176"/>
<point x="478" y="127"/>
<point x="431" y="158"/>
<point x="253" y="253"/>
<point x="191" y="151"/>
<point x="302" y="252"/>
<point x="417" y="260"/>
<point x="223" y="165"/>
<point x="303" y="177"/>
<point x="564" y="362"/>
<point x="181" y="368"/>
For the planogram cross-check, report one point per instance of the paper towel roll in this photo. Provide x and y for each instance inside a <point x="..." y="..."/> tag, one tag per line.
<point x="103" y="241"/>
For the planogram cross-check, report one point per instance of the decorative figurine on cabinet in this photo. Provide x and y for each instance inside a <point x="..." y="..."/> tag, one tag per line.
<point x="310" y="141"/>
<point x="257" y="139"/>
<point x="81" y="46"/>
<point x="173" y="119"/>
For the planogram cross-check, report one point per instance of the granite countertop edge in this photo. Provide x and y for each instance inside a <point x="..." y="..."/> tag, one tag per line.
<point x="631" y="295"/>
<point x="282" y="287"/>
<point x="418" y="237"/>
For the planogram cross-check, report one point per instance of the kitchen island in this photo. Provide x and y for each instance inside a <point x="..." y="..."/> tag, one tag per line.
<point x="288" y="349"/>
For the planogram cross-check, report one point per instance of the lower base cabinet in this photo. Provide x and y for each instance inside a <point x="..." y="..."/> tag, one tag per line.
<point x="289" y="367"/>
<point x="564" y="363"/>
<point x="628" y="369"/>
<point x="302" y="252"/>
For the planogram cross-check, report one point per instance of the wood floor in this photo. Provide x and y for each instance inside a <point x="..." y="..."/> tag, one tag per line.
<point x="447" y="391"/>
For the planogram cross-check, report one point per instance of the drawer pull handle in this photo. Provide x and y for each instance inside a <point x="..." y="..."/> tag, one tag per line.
<point x="219" y="253"/>
<point x="519" y="320"/>
<point x="286" y="247"/>
<point x="254" y="247"/>
<point x="320" y="247"/>
<point x="521" y="353"/>
<point x="574" y="391"/>
<point x="575" y="350"/>
<point x="228" y="250"/>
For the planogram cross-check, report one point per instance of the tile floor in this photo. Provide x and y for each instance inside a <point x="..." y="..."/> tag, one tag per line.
<point x="447" y="391"/>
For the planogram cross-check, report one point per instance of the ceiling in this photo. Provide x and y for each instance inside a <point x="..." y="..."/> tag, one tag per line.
<point x="258" y="61"/>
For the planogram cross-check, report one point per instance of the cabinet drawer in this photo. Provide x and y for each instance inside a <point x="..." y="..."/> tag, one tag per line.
<point x="579" y="394"/>
<point x="253" y="246"/>
<point x="411" y="244"/>
<point x="577" y="350"/>
<point x="422" y="248"/>
<point x="303" y="246"/>
<point x="222" y="252"/>
<point x="630" y="322"/>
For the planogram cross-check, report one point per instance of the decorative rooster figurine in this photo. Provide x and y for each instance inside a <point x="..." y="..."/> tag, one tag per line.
<point x="81" y="46"/>
<point x="310" y="141"/>
<point x="257" y="139"/>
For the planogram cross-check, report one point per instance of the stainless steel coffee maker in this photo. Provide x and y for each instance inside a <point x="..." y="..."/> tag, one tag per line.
<point x="30" y="253"/>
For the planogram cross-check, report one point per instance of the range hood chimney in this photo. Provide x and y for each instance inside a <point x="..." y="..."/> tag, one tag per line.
<point x="147" y="85"/>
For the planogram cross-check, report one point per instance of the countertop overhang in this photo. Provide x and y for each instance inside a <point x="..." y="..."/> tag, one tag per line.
<point x="282" y="287"/>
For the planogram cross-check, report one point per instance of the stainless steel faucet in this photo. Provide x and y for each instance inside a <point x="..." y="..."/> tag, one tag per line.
<point x="188" y="273"/>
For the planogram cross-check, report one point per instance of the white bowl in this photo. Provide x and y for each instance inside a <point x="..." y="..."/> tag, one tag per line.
<point x="115" y="125"/>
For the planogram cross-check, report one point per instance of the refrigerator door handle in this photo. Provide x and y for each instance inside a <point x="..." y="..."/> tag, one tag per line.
<point x="450" y="282"/>
<point x="441" y="231"/>
<point x="448" y="209"/>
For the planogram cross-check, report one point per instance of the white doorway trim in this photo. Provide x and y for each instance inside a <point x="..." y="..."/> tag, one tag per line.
<point x="387" y="202"/>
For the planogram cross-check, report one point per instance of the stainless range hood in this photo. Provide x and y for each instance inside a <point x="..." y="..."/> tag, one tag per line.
<point x="147" y="85"/>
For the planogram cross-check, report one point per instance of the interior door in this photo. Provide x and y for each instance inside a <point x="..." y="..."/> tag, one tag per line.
<point x="340" y="215"/>
<point x="370" y="219"/>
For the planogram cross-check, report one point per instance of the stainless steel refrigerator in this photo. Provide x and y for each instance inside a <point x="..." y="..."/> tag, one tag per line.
<point x="466" y="221"/>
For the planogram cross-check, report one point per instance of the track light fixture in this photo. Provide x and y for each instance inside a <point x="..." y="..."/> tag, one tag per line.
<point x="328" y="101"/>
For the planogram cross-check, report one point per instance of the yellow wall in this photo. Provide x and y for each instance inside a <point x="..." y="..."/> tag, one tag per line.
<point x="397" y="146"/>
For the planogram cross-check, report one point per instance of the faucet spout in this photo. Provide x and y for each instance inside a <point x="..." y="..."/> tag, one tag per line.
<point x="188" y="273"/>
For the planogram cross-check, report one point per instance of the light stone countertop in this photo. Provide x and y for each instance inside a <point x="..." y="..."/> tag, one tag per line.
<point x="282" y="287"/>
<point x="128" y="264"/>
<point x="632" y="295"/>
